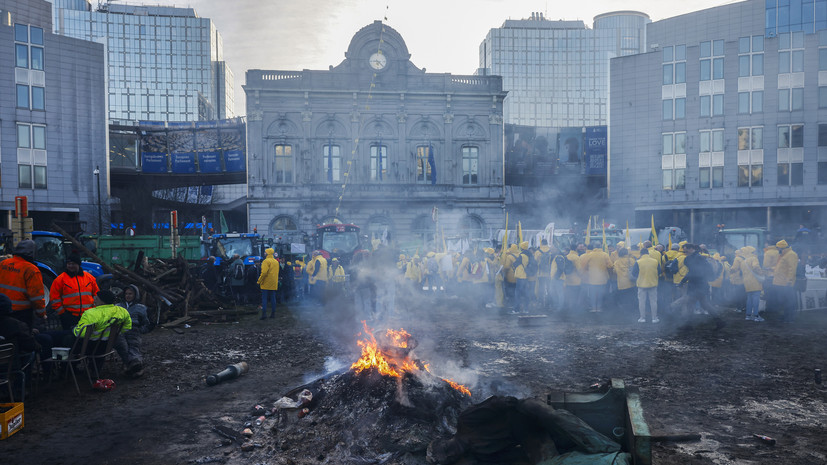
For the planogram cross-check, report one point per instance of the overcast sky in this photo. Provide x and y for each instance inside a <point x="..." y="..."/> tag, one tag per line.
<point x="442" y="35"/>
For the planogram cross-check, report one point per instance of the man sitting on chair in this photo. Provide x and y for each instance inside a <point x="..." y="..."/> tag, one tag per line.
<point x="101" y="316"/>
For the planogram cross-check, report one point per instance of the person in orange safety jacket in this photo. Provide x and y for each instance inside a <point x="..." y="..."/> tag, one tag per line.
<point x="22" y="283"/>
<point x="72" y="293"/>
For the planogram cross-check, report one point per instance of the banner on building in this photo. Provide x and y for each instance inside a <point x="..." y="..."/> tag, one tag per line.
<point x="154" y="158"/>
<point x="233" y="143"/>
<point x="208" y="146"/>
<point x="570" y="145"/>
<point x="596" y="140"/>
<point x="181" y="142"/>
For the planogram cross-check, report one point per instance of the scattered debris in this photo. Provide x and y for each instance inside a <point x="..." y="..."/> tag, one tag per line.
<point x="764" y="439"/>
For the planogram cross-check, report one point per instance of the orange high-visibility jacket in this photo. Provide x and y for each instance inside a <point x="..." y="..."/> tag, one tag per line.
<point x="22" y="283"/>
<point x="74" y="294"/>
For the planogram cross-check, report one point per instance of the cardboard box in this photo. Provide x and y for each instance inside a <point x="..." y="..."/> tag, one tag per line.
<point x="12" y="419"/>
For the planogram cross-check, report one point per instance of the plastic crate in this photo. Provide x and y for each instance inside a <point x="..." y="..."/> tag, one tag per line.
<point x="12" y="419"/>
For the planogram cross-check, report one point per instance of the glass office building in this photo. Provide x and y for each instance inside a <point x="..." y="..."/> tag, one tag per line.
<point x="164" y="63"/>
<point x="557" y="72"/>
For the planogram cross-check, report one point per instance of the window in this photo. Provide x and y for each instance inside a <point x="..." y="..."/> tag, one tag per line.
<point x="790" y="160"/>
<point x="378" y="162"/>
<point x="790" y="136"/>
<point x="470" y="164"/>
<point x="674" y="160"/>
<point x="750" y="156"/>
<point x="31" y="136"/>
<point x="22" y="96"/>
<point x="26" y="55"/>
<point x="423" y="164"/>
<point x="284" y="164"/>
<point x="24" y="136"/>
<point x="791" y="52"/>
<point x="24" y="176"/>
<point x="711" y="158"/>
<point x="712" y="60"/>
<point x="822" y="154"/>
<point x="790" y="99"/>
<point x="21" y="53"/>
<point x="674" y="65"/>
<point x="38" y="98"/>
<point x="751" y="56"/>
<point x="332" y="162"/>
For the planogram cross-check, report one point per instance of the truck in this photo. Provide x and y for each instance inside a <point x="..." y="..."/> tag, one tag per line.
<point x="727" y="241"/>
<point x="339" y="240"/>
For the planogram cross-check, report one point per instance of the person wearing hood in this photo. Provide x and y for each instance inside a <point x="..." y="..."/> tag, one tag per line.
<point x="596" y="265"/>
<point x="22" y="283"/>
<point x="268" y="281"/>
<point x="72" y="293"/>
<point x="736" y="281"/>
<point x="128" y="345"/>
<point x="784" y="280"/>
<point x="751" y="274"/>
<point x="511" y="261"/>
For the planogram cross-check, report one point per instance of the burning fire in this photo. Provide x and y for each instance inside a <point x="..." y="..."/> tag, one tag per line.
<point x="390" y="356"/>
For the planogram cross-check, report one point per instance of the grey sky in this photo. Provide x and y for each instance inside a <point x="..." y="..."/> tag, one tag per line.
<point x="441" y="35"/>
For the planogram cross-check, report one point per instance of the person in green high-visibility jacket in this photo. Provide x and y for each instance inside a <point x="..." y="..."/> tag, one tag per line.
<point x="101" y="316"/>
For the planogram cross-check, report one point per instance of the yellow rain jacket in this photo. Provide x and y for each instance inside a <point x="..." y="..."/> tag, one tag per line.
<point x="784" y="273"/>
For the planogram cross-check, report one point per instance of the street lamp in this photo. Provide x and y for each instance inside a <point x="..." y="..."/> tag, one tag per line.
<point x="97" y="174"/>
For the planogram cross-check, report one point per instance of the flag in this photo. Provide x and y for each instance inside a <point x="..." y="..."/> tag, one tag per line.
<point x="604" y="237"/>
<point x="654" y="233"/>
<point x="670" y="241"/>
<point x="432" y="163"/>
<point x="444" y="247"/>
<point x="434" y="214"/>
<point x="224" y="228"/>
<point x="588" y="231"/>
<point x="628" y="237"/>
<point x="519" y="233"/>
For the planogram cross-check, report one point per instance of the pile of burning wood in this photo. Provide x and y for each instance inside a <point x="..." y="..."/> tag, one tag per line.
<point x="171" y="289"/>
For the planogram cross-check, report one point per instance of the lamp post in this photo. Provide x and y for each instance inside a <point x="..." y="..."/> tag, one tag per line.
<point x="97" y="174"/>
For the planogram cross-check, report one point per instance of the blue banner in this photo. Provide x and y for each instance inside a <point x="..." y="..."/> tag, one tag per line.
<point x="183" y="162"/>
<point x="209" y="162"/>
<point x="596" y="140"/>
<point x="234" y="161"/>
<point x="569" y="145"/>
<point x="153" y="162"/>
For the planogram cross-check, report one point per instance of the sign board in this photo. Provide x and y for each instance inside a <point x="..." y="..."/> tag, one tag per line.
<point x="297" y="248"/>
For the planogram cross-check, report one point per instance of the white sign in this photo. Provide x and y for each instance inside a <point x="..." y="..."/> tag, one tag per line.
<point x="297" y="248"/>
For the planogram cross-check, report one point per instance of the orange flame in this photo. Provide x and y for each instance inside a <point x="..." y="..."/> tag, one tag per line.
<point x="393" y="360"/>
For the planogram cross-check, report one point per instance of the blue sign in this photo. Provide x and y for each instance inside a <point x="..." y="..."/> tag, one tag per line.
<point x="209" y="162"/>
<point x="183" y="162"/>
<point x="234" y="161"/>
<point x="153" y="162"/>
<point x="596" y="140"/>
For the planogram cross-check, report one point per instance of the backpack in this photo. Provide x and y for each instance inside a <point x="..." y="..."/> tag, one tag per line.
<point x="715" y="267"/>
<point x="238" y="271"/>
<point x="561" y="262"/>
<point x="533" y="266"/>
<point x="671" y="268"/>
<point x="634" y="272"/>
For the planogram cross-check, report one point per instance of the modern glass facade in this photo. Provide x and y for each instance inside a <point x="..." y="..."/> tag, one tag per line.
<point x="557" y="72"/>
<point x="164" y="63"/>
<point x="795" y="16"/>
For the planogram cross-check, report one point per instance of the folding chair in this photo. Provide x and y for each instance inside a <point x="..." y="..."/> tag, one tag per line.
<point x="114" y="329"/>
<point x="7" y="356"/>
<point x="77" y="355"/>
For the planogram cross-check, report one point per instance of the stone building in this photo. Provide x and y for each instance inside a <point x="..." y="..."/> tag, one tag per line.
<point x="378" y="142"/>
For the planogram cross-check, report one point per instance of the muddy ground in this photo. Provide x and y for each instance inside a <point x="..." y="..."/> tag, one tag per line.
<point x="725" y="384"/>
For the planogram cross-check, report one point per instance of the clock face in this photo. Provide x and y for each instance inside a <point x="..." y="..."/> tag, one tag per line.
<point x="378" y="61"/>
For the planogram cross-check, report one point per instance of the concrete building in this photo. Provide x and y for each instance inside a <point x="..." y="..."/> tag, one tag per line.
<point x="52" y="117"/>
<point x="724" y="120"/>
<point x="163" y="63"/>
<point x="557" y="72"/>
<point x="375" y="141"/>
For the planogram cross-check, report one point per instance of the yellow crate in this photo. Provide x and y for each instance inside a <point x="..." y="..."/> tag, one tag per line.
<point x="12" y="419"/>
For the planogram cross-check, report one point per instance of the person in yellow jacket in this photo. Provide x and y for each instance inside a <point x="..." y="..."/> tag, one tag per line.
<point x="771" y="256"/>
<point x="413" y="273"/>
<point x="736" y="281"/>
<point x="784" y="280"/>
<point x="678" y="289"/>
<point x="495" y="276"/>
<point x="543" y="255"/>
<point x="751" y="274"/>
<point x="572" y="294"/>
<point x="596" y="265"/>
<point x="317" y="276"/>
<point x="268" y="282"/>
<point x="646" y="270"/>
<point x="101" y="316"/>
<point x="622" y="268"/>
<point x="716" y="285"/>
<point x="510" y="263"/>
<point x="522" y="286"/>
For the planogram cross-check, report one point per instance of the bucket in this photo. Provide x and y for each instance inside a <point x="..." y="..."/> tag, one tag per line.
<point x="60" y="353"/>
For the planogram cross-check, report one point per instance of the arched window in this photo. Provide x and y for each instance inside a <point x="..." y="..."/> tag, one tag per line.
<point x="472" y="227"/>
<point x="423" y="228"/>
<point x="379" y="227"/>
<point x="283" y="223"/>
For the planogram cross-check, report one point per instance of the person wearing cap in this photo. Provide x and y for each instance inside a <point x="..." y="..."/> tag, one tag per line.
<point x="128" y="345"/>
<point x="784" y="280"/>
<point x="317" y="276"/>
<point x="72" y="293"/>
<point x="268" y="282"/>
<point x="22" y="283"/>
